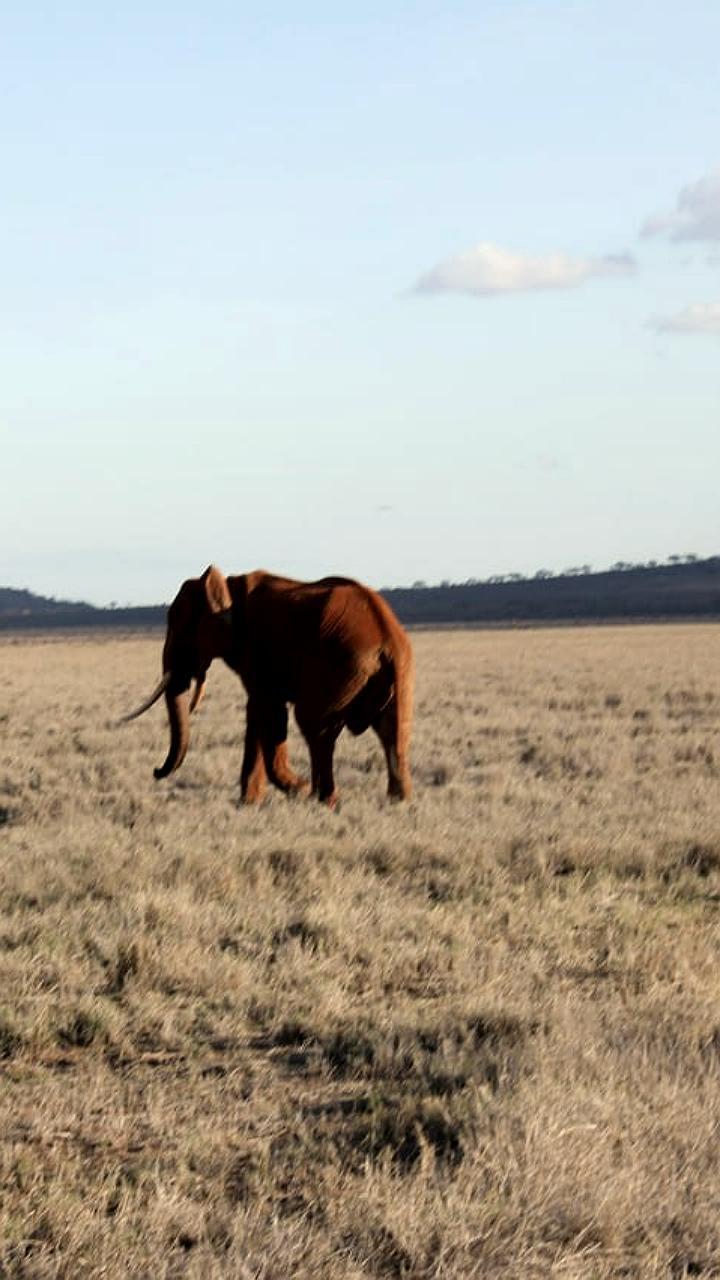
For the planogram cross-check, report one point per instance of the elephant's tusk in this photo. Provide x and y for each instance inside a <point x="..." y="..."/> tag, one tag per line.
<point x="198" y="693"/>
<point x="149" y="702"/>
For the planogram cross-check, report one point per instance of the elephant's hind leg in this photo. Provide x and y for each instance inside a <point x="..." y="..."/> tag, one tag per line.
<point x="272" y="728"/>
<point x="396" y="754"/>
<point x="282" y="776"/>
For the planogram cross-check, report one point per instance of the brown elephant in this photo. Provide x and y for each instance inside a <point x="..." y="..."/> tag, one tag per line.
<point x="333" y="648"/>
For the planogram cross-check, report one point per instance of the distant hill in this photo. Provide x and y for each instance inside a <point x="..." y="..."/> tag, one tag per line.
<point x="623" y="593"/>
<point x="17" y="604"/>
<point x="23" y="610"/>
<point x="690" y="590"/>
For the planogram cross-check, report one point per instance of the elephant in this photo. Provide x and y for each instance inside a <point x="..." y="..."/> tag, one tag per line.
<point x="333" y="648"/>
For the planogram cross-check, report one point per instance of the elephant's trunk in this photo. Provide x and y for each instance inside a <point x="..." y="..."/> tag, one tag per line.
<point x="179" y="717"/>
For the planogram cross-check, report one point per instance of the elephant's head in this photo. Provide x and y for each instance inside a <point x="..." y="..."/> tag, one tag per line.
<point x="198" y="630"/>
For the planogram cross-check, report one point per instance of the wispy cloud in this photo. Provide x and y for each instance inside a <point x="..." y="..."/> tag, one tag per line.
<point x="701" y="317"/>
<point x="489" y="269"/>
<point x="697" y="215"/>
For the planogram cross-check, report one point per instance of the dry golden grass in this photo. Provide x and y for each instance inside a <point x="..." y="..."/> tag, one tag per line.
<point x="478" y="1035"/>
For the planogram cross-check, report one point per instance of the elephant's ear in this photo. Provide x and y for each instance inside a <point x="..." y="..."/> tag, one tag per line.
<point x="216" y="590"/>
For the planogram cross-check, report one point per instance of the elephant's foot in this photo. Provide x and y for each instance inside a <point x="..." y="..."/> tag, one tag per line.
<point x="398" y="790"/>
<point x="250" y="800"/>
<point x="291" y="784"/>
<point x="298" y="789"/>
<point x="330" y="799"/>
<point x="252" y="791"/>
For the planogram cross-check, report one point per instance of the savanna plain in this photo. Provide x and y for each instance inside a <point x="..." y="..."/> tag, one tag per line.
<point x="477" y="1035"/>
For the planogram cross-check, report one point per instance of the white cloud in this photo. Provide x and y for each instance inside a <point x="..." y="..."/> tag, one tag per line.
<point x="488" y="269"/>
<point x="701" y="317"/>
<point x="697" y="216"/>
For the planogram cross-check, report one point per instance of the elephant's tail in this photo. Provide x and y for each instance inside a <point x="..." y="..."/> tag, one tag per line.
<point x="404" y="666"/>
<point x="400" y="655"/>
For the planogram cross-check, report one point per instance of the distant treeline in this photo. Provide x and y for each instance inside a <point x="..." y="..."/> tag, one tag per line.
<point x="685" y="587"/>
<point x="23" y="610"/>
<point x="681" y="590"/>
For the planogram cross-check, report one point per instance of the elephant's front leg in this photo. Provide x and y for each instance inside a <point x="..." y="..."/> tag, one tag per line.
<point x="273" y="727"/>
<point x="252" y="773"/>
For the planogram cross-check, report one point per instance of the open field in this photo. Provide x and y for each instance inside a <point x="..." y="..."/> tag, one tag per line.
<point x="475" y="1036"/>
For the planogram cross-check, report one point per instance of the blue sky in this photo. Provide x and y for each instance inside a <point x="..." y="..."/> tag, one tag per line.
<point x="412" y="292"/>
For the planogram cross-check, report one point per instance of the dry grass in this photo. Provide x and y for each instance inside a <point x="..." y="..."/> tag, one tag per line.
<point x="475" y="1036"/>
